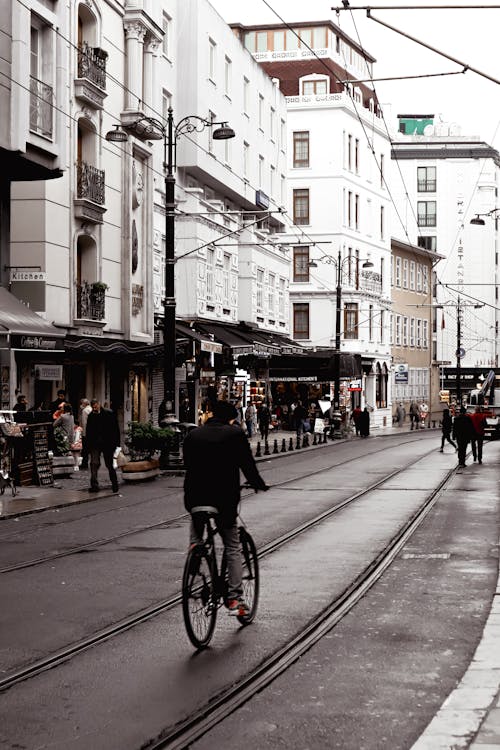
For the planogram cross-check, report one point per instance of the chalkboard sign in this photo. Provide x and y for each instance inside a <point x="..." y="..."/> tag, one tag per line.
<point x="41" y="458"/>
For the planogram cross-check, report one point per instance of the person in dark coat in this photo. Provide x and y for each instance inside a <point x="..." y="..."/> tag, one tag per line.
<point x="103" y="436"/>
<point x="264" y="420"/>
<point x="20" y="404"/>
<point x="300" y="414"/>
<point x="356" y="413"/>
<point x="463" y="432"/>
<point x="364" y="423"/>
<point x="214" y="454"/>
<point x="446" y="428"/>
<point x="479" y="423"/>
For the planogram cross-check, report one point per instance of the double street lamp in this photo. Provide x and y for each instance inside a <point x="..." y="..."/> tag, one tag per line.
<point x="339" y="263"/>
<point x="156" y="130"/>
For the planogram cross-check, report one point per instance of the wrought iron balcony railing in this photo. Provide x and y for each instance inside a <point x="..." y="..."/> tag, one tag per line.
<point x="90" y="183"/>
<point x="41" y="107"/>
<point x="92" y="64"/>
<point x="91" y="299"/>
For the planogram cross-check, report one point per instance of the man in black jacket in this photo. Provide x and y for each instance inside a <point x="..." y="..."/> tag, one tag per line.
<point x="213" y="457"/>
<point x="463" y="432"/>
<point x="103" y="436"/>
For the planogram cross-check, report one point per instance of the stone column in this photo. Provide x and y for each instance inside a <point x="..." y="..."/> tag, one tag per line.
<point x="134" y="33"/>
<point x="148" y="87"/>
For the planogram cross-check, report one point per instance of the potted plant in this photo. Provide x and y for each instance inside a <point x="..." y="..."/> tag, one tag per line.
<point x="99" y="286"/>
<point x="144" y="441"/>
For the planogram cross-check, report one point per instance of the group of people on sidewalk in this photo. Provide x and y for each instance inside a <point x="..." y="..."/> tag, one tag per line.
<point x="465" y="428"/>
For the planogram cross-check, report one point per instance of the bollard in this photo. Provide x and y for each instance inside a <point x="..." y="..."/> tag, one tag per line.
<point x="325" y="438"/>
<point x="299" y="443"/>
<point x="266" y="449"/>
<point x="258" y="454"/>
<point x="315" y="439"/>
<point x="283" y="445"/>
<point x="305" y="441"/>
<point x="290" y="445"/>
<point x="275" y="449"/>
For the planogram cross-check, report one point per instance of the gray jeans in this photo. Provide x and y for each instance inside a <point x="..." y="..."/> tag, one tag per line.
<point x="231" y="540"/>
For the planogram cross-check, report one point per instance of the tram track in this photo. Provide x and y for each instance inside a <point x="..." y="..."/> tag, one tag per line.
<point x="88" y="546"/>
<point x="182" y="735"/>
<point x="62" y="655"/>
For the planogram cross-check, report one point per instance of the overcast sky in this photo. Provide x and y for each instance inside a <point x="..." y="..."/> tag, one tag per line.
<point x="471" y="36"/>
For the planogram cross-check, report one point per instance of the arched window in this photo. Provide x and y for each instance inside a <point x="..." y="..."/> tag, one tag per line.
<point x="382" y="377"/>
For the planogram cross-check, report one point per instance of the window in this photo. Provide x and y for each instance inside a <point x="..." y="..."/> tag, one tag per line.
<point x="412" y="331"/>
<point x="41" y="92"/>
<point x="425" y="334"/>
<point x="356" y="212"/>
<point x="283" y="189"/>
<point x="260" y="289"/>
<point x="349" y="153"/>
<point x="405" y="273"/>
<point x="246" y="94"/>
<point x="166" y="103"/>
<point x="272" y="181"/>
<point x="370" y="323"/>
<point x="425" y="280"/>
<point x="419" y="333"/>
<point x="210" y="273"/>
<point x="426" y="179"/>
<point x="382" y="176"/>
<point x="301" y="264"/>
<point x="349" y="209"/>
<point x="405" y="331"/>
<point x="261" y="170"/>
<point x="398" y="330"/>
<point x="227" y="76"/>
<point x="429" y="243"/>
<point x="301" y="206"/>
<point x="351" y="320"/>
<point x="317" y="87"/>
<point x="426" y="213"/>
<point x="211" y="118"/>
<point x="212" y="59"/>
<point x="419" y="277"/>
<point x="382" y="222"/>
<point x="412" y="275"/>
<point x="301" y="320"/>
<point x="281" y="297"/>
<point x="356" y="155"/>
<point x="261" y="111"/>
<point x="301" y="148"/>
<point x="271" y="298"/>
<point x="246" y="158"/>
<point x="167" y="30"/>
<point x="382" y="322"/>
<point x="261" y="37"/>
<point x="225" y="278"/>
<point x="397" y="280"/>
<point x="282" y="135"/>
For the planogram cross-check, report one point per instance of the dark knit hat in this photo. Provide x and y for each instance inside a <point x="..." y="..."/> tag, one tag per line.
<point x="224" y="411"/>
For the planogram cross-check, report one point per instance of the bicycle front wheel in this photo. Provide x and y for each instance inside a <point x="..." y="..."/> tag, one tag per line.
<point x="250" y="576"/>
<point x="199" y="600"/>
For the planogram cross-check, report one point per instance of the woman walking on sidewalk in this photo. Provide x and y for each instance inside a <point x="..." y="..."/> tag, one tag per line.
<point x="446" y="427"/>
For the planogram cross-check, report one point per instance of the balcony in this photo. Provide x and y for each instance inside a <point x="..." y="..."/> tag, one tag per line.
<point x="426" y="186"/>
<point x="90" y="86"/>
<point x="89" y="201"/>
<point x="371" y="281"/>
<point x="41" y="108"/>
<point x="90" y="300"/>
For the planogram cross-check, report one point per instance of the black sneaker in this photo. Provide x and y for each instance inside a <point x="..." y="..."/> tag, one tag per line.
<point x="94" y="489"/>
<point x="114" y="488"/>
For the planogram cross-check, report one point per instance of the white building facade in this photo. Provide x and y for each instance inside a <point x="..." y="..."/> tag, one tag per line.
<point x="338" y="152"/>
<point x="449" y="179"/>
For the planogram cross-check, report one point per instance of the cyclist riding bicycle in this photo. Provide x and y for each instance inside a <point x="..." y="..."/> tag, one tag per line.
<point x="213" y="456"/>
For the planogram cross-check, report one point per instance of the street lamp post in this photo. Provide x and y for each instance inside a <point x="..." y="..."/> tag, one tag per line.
<point x="169" y="133"/>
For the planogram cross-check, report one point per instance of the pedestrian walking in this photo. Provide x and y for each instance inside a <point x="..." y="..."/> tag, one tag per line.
<point x="300" y="414"/>
<point x="264" y="419"/>
<point x="479" y="424"/>
<point x="446" y="428"/>
<point x="103" y="437"/>
<point x="423" y="409"/>
<point x="239" y="411"/>
<point x="251" y="419"/>
<point x="364" y="423"/>
<point x="400" y="414"/>
<point x="85" y="409"/>
<point x="463" y="432"/>
<point x="414" y="415"/>
<point x="355" y="416"/>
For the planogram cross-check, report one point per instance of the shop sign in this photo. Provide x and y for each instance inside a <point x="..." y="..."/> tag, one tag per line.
<point x="294" y="379"/>
<point x="28" y="276"/>
<point x="207" y="374"/>
<point x="211" y="346"/>
<point x="401" y="373"/>
<point x="49" y="372"/>
<point x="354" y="385"/>
<point x="319" y="425"/>
<point x="35" y="342"/>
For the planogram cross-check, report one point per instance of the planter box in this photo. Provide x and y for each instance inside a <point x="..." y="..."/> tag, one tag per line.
<point x="138" y="471"/>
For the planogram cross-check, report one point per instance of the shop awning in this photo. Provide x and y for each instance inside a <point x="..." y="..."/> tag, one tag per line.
<point x="84" y="345"/>
<point x="313" y="367"/>
<point x="17" y="319"/>
<point x="206" y="344"/>
<point x="227" y="336"/>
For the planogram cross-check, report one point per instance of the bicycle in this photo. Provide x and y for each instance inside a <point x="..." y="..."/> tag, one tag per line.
<point x="204" y="585"/>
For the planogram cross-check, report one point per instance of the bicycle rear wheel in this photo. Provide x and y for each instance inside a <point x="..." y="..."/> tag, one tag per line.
<point x="199" y="600"/>
<point x="250" y="576"/>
